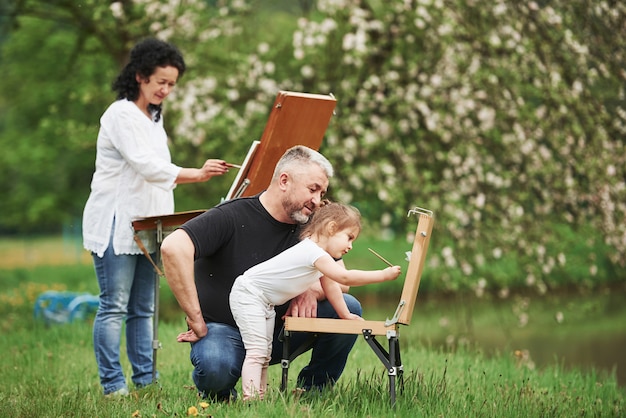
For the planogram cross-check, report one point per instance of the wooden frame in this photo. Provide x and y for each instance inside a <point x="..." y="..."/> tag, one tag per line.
<point x="295" y="119"/>
<point x="370" y="329"/>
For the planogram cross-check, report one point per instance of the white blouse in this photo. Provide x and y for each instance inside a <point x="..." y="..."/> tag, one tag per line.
<point x="134" y="178"/>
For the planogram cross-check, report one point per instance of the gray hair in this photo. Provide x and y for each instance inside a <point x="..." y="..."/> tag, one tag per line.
<point x="299" y="155"/>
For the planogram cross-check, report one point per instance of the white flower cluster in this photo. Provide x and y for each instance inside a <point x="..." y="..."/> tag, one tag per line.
<point x="486" y="112"/>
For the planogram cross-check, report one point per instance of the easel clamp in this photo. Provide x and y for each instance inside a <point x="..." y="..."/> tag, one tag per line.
<point x="396" y="315"/>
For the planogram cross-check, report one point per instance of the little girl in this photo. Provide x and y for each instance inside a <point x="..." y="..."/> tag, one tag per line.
<point x="325" y="239"/>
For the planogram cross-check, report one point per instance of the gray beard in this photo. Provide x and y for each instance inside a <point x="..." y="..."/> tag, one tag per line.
<point x="295" y="212"/>
<point x="299" y="217"/>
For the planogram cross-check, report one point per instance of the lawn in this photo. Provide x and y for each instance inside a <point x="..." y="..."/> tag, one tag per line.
<point x="50" y="371"/>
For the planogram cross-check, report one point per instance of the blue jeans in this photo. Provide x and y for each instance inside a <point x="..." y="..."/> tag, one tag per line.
<point x="127" y="285"/>
<point x="218" y="357"/>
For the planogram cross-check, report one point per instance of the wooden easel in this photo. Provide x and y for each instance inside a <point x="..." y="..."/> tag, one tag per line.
<point x="295" y="119"/>
<point x="158" y="224"/>
<point x="370" y="329"/>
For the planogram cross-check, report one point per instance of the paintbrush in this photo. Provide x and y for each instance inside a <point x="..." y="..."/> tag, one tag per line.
<point x="381" y="257"/>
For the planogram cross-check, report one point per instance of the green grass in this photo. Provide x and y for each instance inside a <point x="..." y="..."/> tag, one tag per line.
<point x="51" y="371"/>
<point x="42" y="250"/>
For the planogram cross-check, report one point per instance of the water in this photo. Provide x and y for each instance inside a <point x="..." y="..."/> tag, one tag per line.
<point x="576" y="331"/>
<point x="602" y="352"/>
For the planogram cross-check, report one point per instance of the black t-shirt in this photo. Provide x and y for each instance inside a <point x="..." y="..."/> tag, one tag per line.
<point x="229" y="239"/>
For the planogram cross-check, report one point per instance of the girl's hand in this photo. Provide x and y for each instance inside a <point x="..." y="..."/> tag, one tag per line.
<point x="354" y="317"/>
<point x="392" y="273"/>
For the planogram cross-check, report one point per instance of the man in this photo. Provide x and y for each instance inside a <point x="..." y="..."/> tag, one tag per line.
<point x="219" y="245"/>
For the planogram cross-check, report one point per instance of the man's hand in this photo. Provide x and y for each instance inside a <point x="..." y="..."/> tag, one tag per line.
<point x="304" y="305"/>
<point x="197" y="330"/>
<point x="187" y="337"/>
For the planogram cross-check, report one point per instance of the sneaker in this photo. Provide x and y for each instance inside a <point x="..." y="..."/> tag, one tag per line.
<point x="120" y="393"/>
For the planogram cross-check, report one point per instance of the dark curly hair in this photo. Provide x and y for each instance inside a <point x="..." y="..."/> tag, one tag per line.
<point x="145" y="57"/>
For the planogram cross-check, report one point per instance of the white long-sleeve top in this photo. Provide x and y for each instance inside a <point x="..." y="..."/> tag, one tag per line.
<point x="134" y="178"/>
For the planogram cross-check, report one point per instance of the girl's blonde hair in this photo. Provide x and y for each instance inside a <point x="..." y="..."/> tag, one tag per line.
<point x="344" y="216"/>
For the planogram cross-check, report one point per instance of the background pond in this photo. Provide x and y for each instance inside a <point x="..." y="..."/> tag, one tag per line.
<point x="586" y="331"/>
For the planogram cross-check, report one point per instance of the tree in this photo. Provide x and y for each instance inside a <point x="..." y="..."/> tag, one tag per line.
<point x="60" y="58"/>
<point x="46" y="116"/>
<point x="505" y="118"/>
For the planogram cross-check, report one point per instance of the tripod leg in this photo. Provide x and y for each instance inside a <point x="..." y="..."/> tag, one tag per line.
<point x="393" y="369"/>
<point x="284" y="363"/>
<point x="155" y="329"/>
<point x="400" y="369"/>
<point x="155" y="321"/>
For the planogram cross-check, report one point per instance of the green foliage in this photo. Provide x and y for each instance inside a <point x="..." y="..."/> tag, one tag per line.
<point x="504" y="118"/>
<point x="485" y="113"/>
<point x="581" y="263"/>
<point x="48" y="126"/>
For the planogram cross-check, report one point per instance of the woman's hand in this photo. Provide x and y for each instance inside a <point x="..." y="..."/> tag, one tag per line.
<point x="209" y="169"/>
<point x="212" y="168"/>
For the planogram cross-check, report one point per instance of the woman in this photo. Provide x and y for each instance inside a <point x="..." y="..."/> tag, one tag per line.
<point x="134" y="177"/>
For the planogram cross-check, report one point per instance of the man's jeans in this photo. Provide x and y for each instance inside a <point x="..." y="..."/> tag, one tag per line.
<point x="218" y="357"/>
<point x="127" y="284"/>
